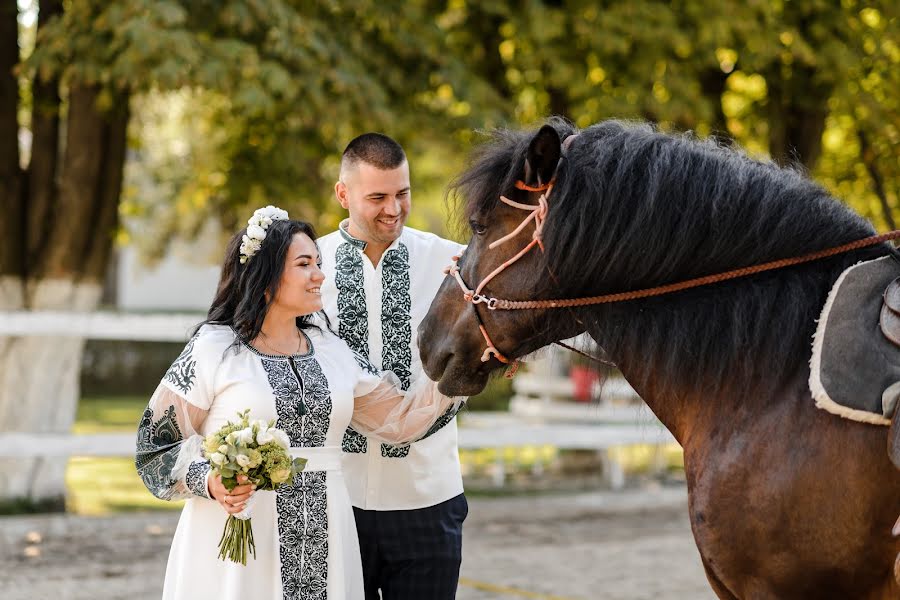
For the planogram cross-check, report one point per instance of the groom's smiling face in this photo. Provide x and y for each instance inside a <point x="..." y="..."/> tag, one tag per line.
<point x="378" y="201"/>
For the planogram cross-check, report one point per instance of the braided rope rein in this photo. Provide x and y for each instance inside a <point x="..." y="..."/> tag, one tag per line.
<point x="504" y="304"/>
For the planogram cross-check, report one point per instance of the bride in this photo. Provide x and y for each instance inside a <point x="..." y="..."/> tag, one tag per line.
<point x="261" y="349"/>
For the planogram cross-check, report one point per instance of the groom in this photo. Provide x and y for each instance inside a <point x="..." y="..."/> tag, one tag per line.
<point x="380" y="280"/>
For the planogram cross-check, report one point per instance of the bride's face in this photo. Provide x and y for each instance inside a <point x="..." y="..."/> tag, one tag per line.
<point x="299" y="291"/>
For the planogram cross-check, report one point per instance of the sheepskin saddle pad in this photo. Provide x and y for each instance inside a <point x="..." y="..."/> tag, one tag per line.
<point x="855" y="365"/>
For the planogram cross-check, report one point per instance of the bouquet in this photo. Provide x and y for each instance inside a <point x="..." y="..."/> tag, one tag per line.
<point x="255" y="449"/>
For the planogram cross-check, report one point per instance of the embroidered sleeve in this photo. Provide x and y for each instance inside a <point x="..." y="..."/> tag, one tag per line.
<point x="169" y="455"/>
<point x="169" y="450"/>
<point x="387" y="413"/>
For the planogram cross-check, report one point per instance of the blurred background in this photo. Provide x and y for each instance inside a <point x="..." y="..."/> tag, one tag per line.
<point x="137" y="135"/>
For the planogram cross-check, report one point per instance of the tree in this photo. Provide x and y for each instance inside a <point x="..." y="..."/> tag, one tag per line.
<point x="284" y="80"/>
<point x="779" y="77"/>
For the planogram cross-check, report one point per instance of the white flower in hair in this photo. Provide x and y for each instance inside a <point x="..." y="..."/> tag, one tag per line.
<point x="257" y="225"/>
<point x="256" y="232"/>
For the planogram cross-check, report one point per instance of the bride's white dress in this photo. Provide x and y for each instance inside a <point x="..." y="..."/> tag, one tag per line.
<point x="305" y="534"/>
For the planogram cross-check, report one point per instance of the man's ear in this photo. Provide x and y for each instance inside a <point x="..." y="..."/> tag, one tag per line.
<point x="542" y="157"/>
<point x="340" y="192"/>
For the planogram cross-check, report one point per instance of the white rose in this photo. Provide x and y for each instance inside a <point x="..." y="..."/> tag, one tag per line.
<point x="223" y="448"/>
<point x="243" y="460"/>
<point x="255" y="232"/>
<point x="217" y="458"/>
<point x="245" y="436"/>
<point x="230" y="438"/>
<point x="281" y="438"/>
<point x="264" y="436"/>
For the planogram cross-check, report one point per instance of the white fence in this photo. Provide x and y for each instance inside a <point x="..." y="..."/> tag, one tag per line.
<point x="565" y="425"/>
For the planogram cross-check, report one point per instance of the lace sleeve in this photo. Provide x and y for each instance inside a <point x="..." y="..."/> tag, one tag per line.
<point x="169" y="450"/>
<point x="390" y="415"/>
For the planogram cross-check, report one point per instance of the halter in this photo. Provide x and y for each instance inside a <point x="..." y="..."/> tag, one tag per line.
<point x="537" y="213"/>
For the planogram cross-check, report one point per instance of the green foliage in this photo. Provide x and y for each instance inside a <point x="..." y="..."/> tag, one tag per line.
<point x="494" y="397"/>
<point x="248" y="102"/>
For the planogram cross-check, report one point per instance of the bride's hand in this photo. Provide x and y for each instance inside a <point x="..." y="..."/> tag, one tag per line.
<point x="234" y="501"/>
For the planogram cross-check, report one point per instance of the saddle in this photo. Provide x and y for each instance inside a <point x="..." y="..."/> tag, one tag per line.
<point x="890" y="327"/>
<point x="855" y="364"/>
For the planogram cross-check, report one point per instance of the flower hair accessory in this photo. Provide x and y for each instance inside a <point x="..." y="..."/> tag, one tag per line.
<point x="257" y="225"/>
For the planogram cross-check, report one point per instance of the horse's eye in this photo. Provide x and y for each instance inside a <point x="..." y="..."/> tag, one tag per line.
<point x="477" y="227"/>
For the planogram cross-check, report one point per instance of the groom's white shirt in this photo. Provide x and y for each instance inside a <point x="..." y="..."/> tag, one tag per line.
<point x="377" y="311"/>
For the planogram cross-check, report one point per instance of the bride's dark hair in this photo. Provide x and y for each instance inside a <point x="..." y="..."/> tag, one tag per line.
<point x="240" y="300"/>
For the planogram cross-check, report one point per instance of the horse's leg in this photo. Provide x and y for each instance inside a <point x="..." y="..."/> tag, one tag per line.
<point x="718" y="587"/>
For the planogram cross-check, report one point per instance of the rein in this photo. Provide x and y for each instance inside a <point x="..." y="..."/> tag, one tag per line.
<point x="538" y="213"/>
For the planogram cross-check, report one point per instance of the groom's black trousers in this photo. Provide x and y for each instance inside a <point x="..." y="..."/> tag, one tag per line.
<point x="412" y="554"/>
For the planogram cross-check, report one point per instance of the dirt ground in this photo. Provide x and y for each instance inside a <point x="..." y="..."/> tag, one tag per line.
<point x="629" y="545"/>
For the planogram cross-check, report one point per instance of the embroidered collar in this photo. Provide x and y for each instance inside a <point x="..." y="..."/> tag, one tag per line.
<point x="360" y="244"/>
<point x="349" y="238"/>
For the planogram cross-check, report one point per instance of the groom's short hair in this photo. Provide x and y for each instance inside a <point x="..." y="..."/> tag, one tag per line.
<point x="375" y="149"/>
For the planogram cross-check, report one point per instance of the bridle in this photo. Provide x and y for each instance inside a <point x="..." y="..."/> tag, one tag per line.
<point x="538" y="214"/>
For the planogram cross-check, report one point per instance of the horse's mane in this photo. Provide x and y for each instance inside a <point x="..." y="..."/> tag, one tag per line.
<point x="635" y="208"/>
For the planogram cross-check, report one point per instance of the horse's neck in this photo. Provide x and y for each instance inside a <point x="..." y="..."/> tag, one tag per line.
<point x="699" y="410"/>
<point x="676" y="409"/>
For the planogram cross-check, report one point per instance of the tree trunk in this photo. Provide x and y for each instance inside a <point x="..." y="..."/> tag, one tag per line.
<point x="713" y="82"/>
<point x="869" y="159"/>
<point x="12" y="234"/>
<point x="39" y="393"/>
<point x="797" y="109"/>
<point x="42" y="169"/>
<point x="39" y="375"/>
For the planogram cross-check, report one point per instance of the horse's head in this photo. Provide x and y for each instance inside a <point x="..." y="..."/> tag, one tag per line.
<point x="503" y="259"/>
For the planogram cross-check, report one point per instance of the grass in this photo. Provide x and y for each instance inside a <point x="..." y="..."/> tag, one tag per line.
<point x="102" y="485"/>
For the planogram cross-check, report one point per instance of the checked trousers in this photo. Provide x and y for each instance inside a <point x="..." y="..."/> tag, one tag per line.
<point x="412" y="554"/>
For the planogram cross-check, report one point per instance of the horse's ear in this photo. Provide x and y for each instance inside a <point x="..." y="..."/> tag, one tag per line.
<point x="542" y="157"/>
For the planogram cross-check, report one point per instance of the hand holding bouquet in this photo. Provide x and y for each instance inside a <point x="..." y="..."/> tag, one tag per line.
<point x="260" y="452"/>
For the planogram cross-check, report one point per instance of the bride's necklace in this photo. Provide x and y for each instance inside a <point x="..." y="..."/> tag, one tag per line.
<point x="262" y="338"/>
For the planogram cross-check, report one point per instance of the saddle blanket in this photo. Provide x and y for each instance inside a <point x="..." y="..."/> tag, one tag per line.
<point x="855" y="368"/>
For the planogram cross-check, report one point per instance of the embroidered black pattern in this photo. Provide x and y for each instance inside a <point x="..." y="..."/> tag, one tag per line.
<point x="182" y="373"/>
<point x="396" y="304"/>
<point x="157" y="447"/>
<point x="195" y="480"/>
<point x="364" y="364"/>
<point x="303" y="537"/>
<point x="306" y="428"/>
<point x="351" y="301"/>
<point x="302" y="506"/>
<point x="396" y="329"/>
<point x="353" y="325"/>
<point x="441" y="422"/>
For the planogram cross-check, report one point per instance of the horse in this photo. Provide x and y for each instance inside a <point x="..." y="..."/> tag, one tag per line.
<point x="785" y="500"/>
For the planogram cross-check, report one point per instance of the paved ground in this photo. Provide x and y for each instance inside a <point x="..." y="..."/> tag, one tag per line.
<point x="630" y="545"/>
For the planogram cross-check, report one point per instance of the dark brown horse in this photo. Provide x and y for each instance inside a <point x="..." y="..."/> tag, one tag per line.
<point x="785" y="500"/>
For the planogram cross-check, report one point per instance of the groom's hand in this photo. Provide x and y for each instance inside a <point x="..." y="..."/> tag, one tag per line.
<point x="233" y="502"/>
